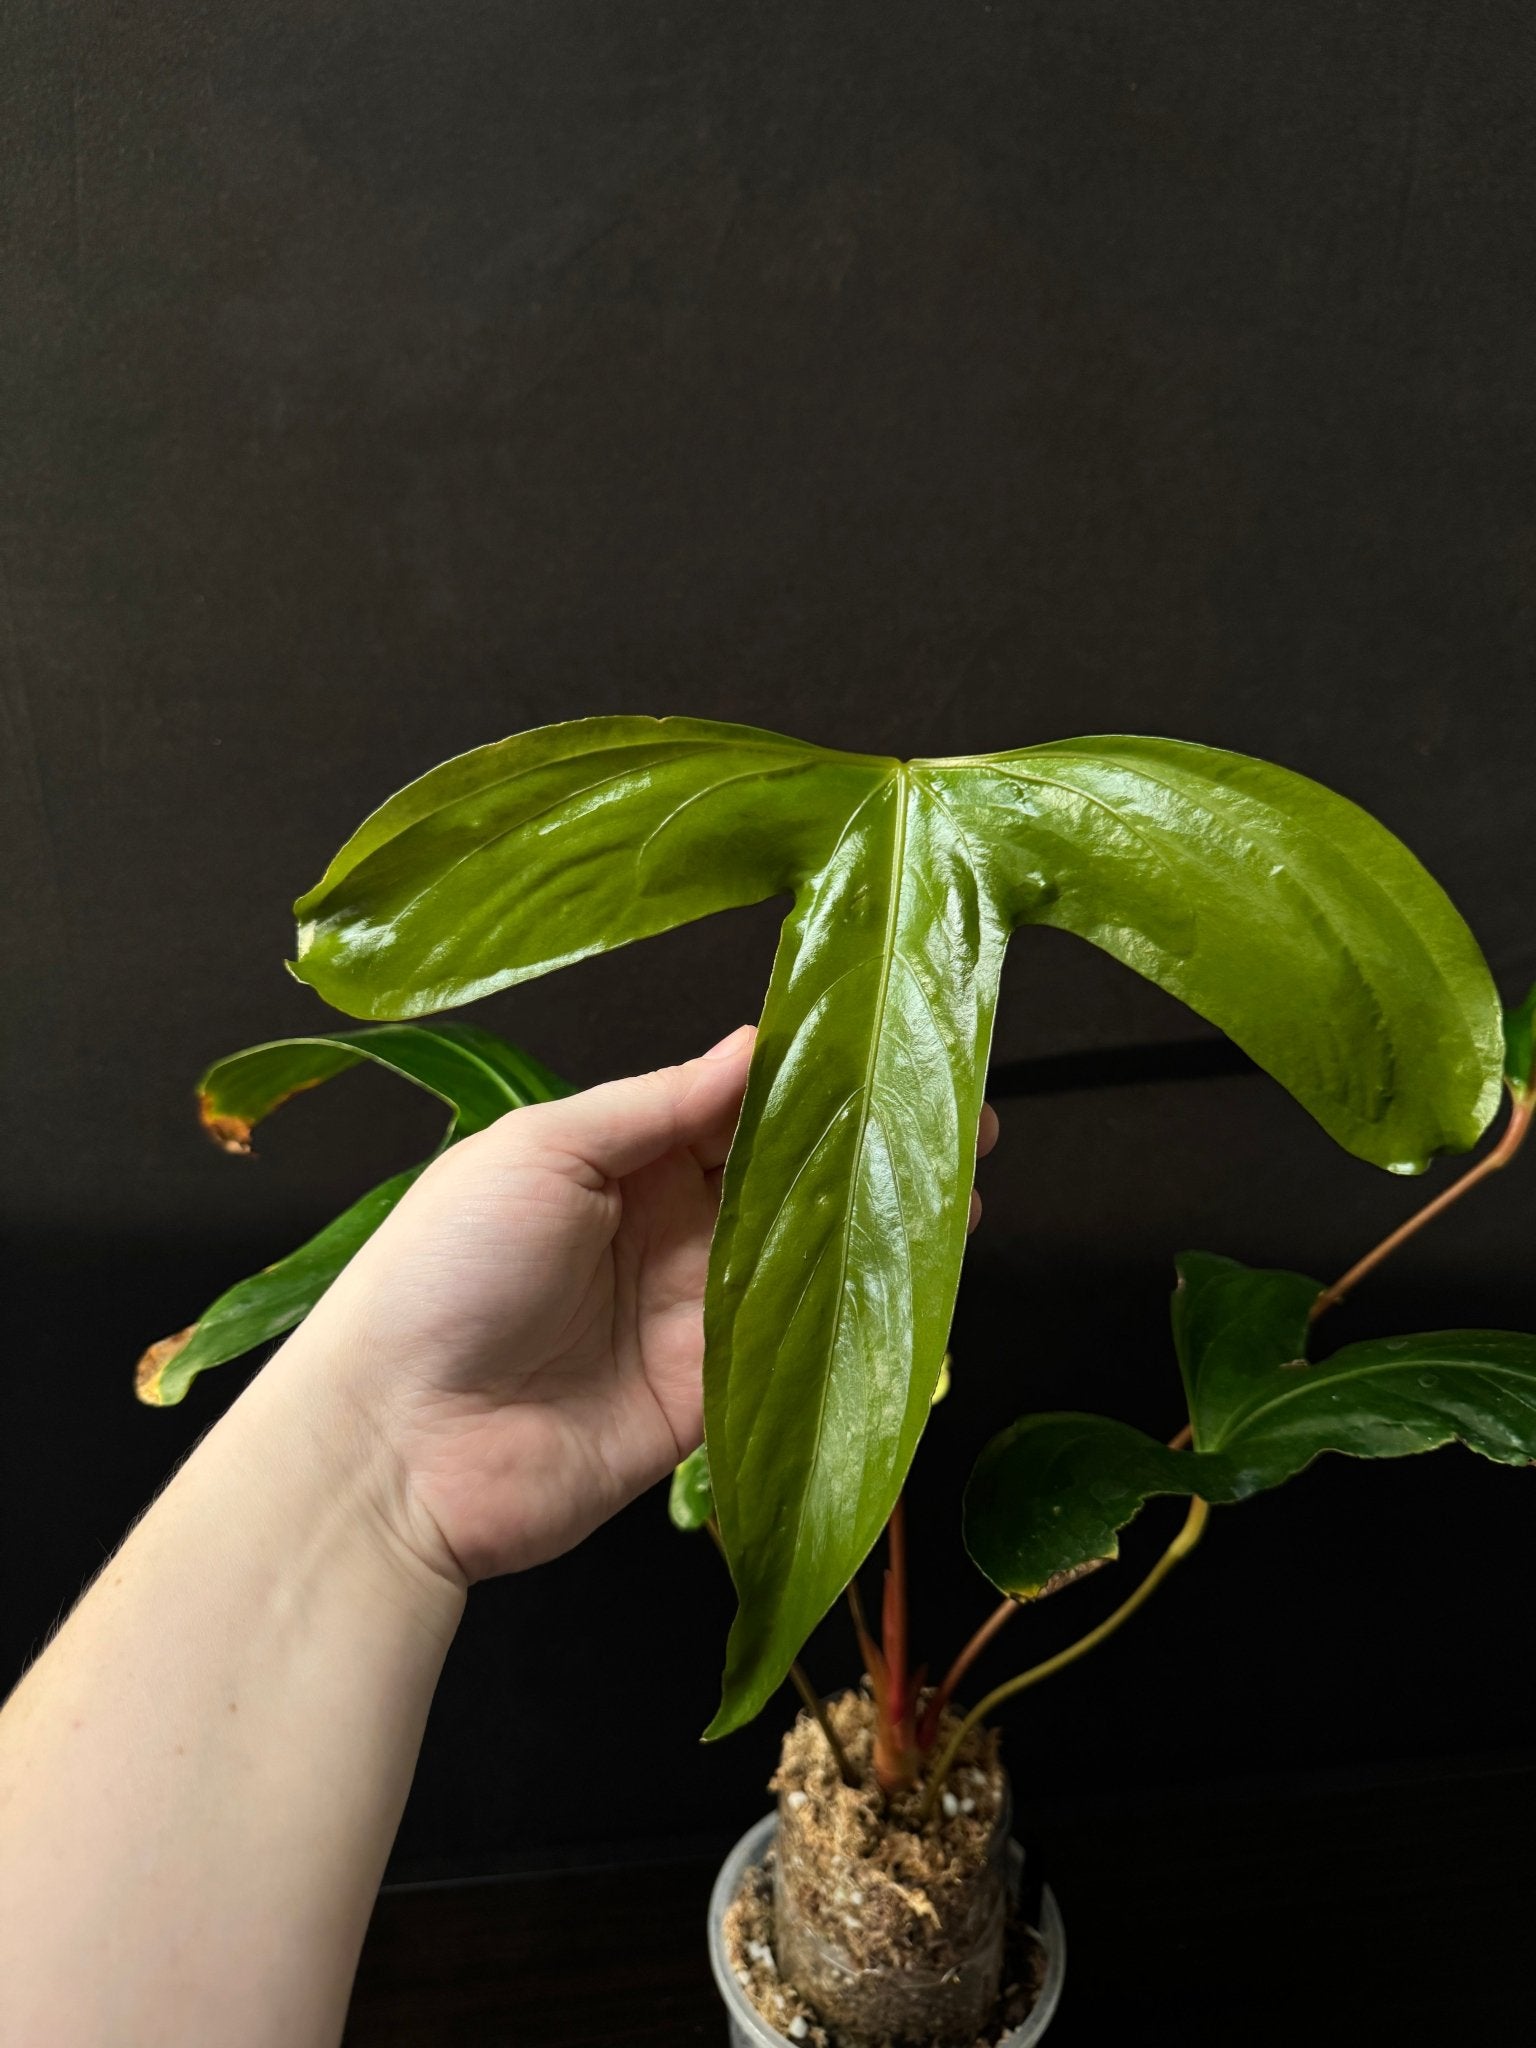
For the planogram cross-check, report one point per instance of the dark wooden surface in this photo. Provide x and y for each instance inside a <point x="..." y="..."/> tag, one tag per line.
<point x="1354" y="1911"/>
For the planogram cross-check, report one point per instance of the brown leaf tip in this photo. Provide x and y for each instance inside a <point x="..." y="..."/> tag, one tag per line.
<point x="233" y="1133"/>
<point x="151" y="1367"/>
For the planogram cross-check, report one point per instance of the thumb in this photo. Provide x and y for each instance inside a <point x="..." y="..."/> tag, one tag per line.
<point x="621" y="1126"/>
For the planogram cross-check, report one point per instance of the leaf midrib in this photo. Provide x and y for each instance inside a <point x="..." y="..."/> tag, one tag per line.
<point x="1230" y="1321"/>
<point x="899" y="780"/>
<point x="1421" y="1362"/>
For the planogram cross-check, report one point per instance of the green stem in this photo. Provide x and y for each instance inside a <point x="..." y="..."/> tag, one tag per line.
<point x="1182" y="1544"/>
<point x="813" y="1705"/>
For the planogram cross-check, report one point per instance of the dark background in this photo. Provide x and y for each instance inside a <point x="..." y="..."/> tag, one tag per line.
<point x="382" y="379"/>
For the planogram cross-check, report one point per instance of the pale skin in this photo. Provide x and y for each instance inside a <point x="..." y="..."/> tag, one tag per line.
<point x="201" y="1776"/>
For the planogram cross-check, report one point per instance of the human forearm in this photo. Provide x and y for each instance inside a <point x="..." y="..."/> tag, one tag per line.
<point x="200" y="1778"/>
<point x="200" y="1781"/>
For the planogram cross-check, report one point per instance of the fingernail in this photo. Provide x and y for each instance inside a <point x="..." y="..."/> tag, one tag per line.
<point x="731" y="1043"/>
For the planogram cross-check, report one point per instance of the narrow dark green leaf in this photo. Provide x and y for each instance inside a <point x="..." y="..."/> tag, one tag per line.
<point x="268" y="1304"/>
<point x="1388" y="1398"/>
<point x="479" y="1076"/>
<point x="1050" y="1494"/>
<point x="690" y="1502"/>
<point x="1276" y="909"/>
<point x="1256" y="1400"/>
<point x="1520" y="1046"/>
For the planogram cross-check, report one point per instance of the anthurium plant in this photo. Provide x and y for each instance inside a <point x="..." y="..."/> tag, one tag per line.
<point x="1048" y="1496"/>
<point x="1274" y="908"/>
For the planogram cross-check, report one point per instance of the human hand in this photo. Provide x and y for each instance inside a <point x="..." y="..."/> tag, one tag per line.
<point x="522" y="1339"/>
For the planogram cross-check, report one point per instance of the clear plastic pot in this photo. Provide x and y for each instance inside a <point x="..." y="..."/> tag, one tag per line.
<point x="748" y="2028"/>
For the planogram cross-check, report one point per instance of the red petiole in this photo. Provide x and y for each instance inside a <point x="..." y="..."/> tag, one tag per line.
<point x="905" y="1737"/>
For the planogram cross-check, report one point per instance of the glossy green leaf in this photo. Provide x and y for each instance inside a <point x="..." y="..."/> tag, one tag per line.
<point x="691" y="1499"/>
<point x="525" y="855"/>
<point x="1267" y="1412"/>
<point x="690" y="1502"/>
<point x="1389" y="1398"/>
<point x="1271" y="906"/>
<point x="1520" y="1046"/>
<point x="479" y="1076"/>
<point x="842" y="1226"/>
<point x="1230" y="1323"/>
<point x="1280" y="911"/>
<point x="1050" y="1494"/>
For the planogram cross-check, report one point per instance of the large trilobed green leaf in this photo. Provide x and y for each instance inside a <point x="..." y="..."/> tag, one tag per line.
<point x="1050" y="1494"/>
<point x="1276" y="909"/>
<point x="479" y="1076"/>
